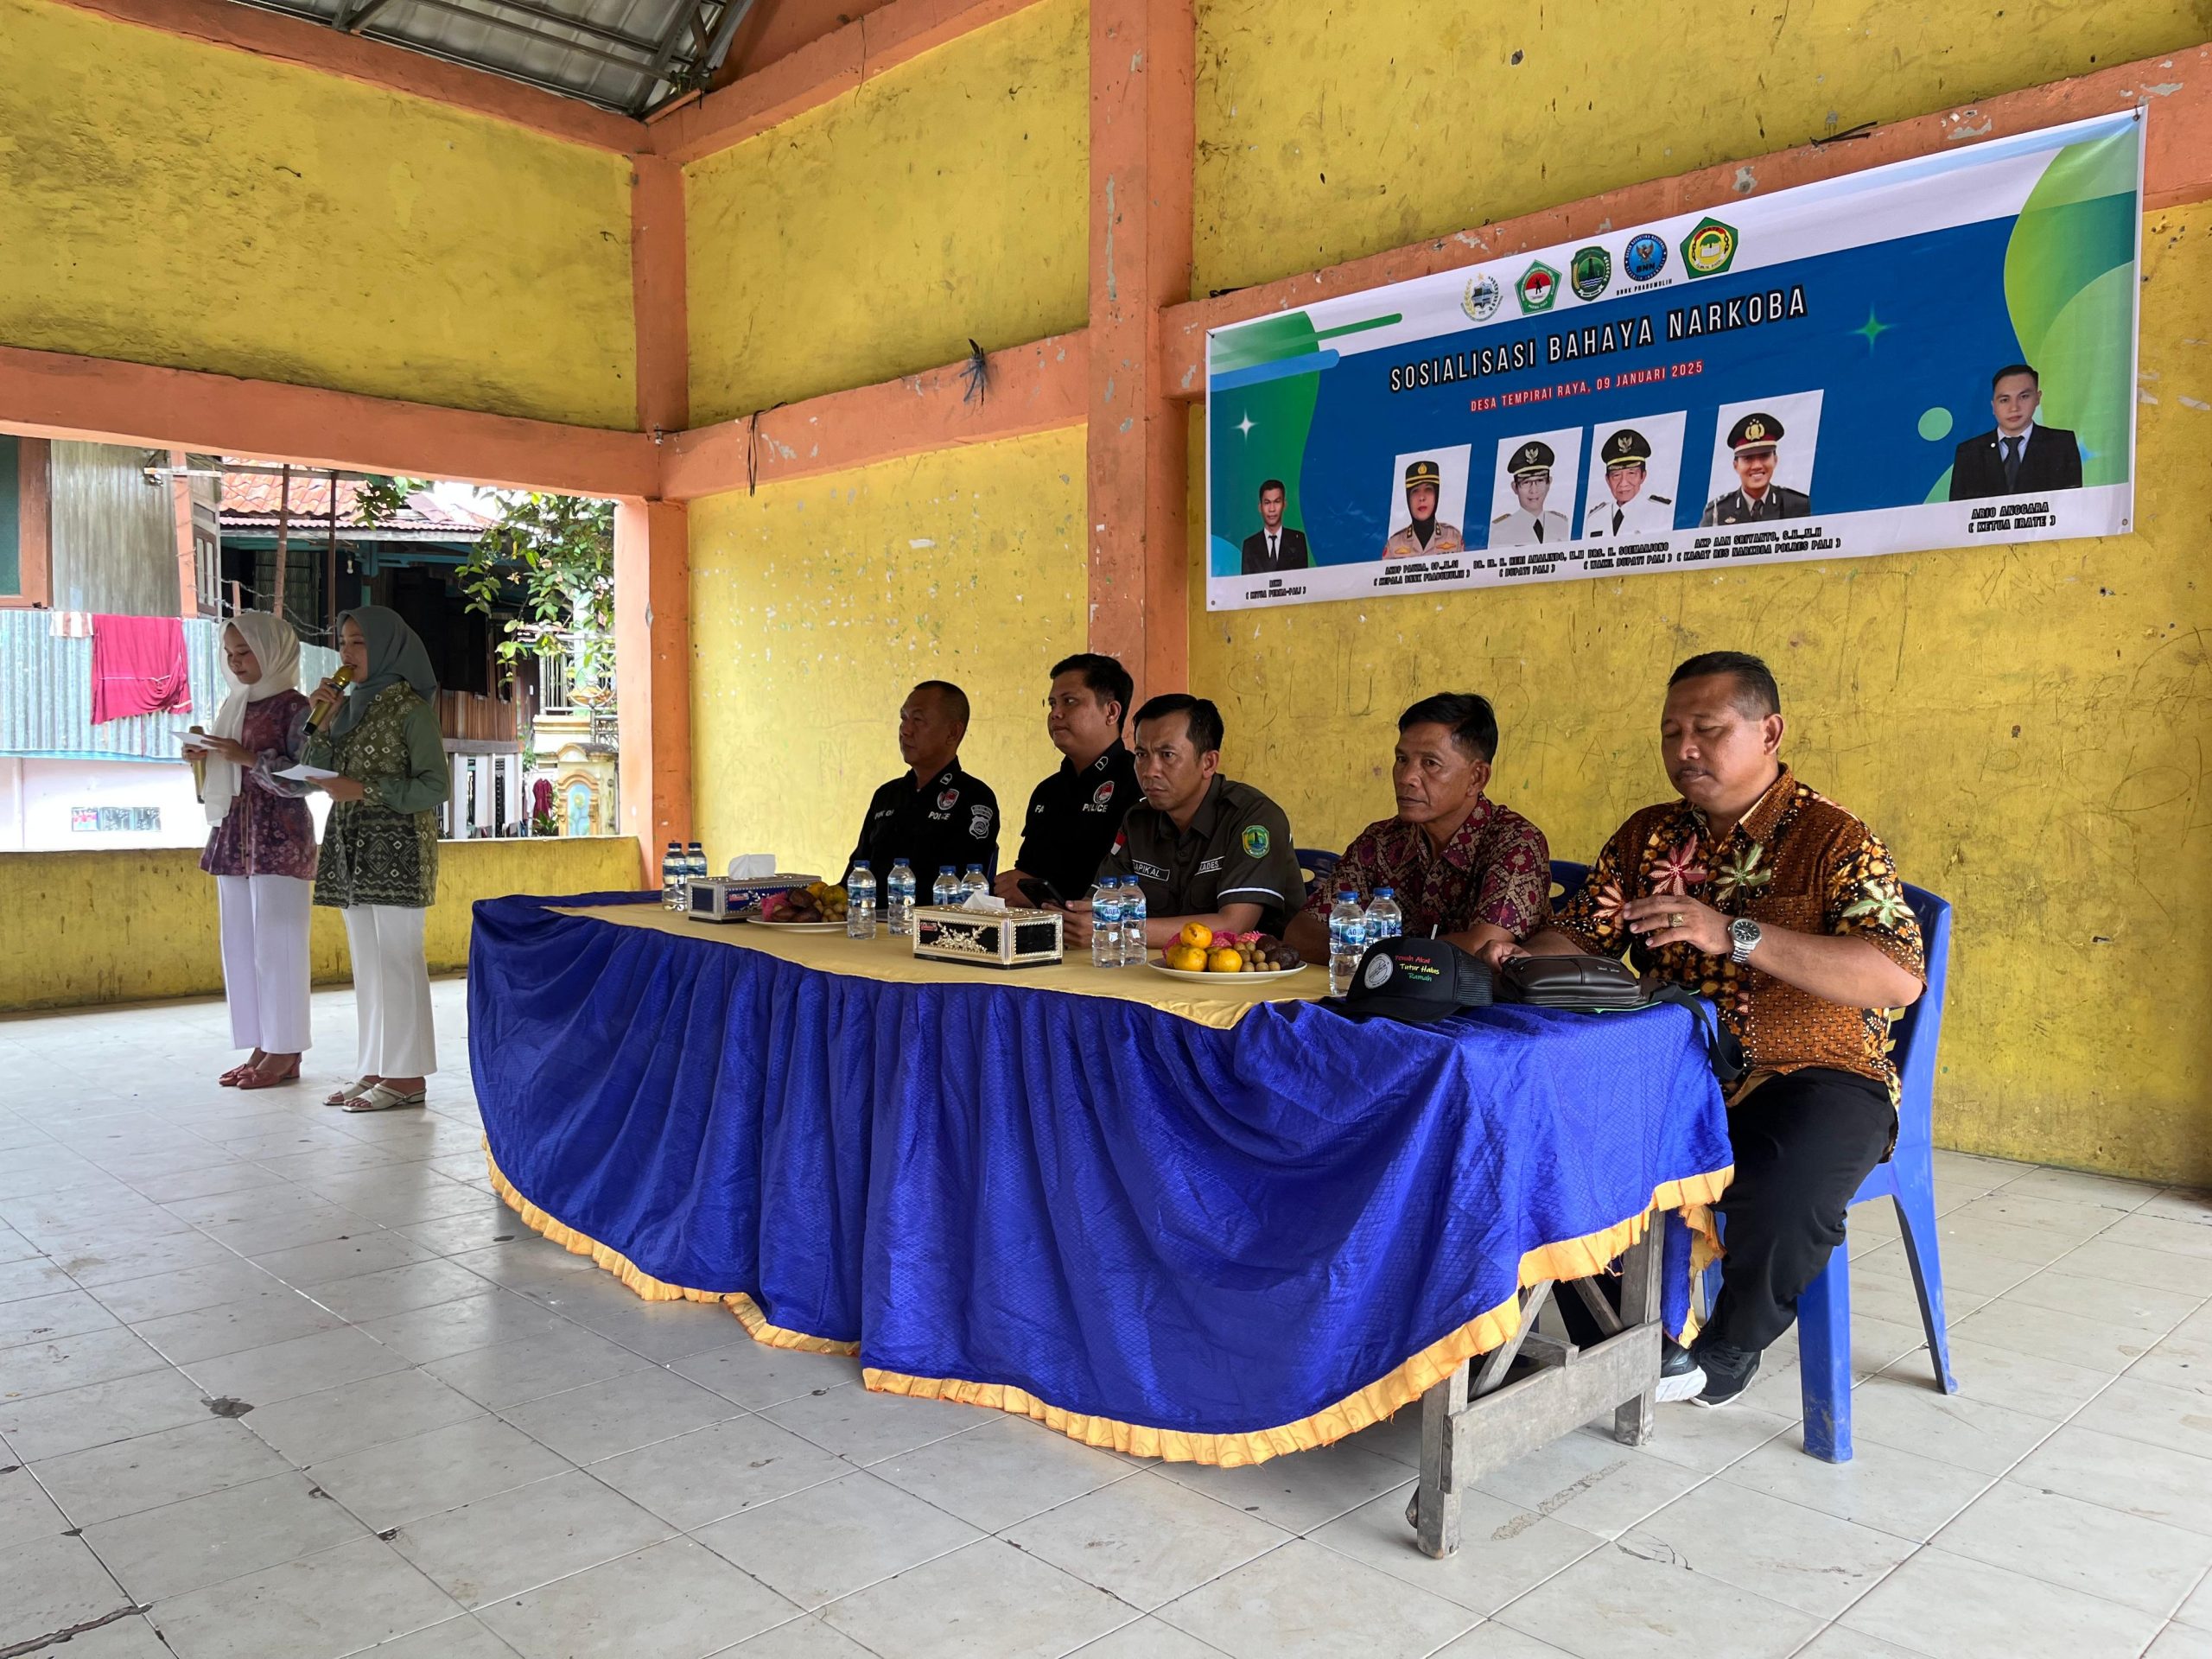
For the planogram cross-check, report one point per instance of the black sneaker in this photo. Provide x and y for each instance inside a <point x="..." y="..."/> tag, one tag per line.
<point x="1728" y="1372"/>
<point x="1680" y="1377"/>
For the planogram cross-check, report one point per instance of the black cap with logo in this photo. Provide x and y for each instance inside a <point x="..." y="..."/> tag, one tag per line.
<point x="1416" y="979"/>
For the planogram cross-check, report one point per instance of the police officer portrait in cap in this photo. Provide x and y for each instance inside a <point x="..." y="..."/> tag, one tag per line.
<point x="1628" y="511"/>
<point x="1754" y="442"/>
<point x="1531" y="524"/>
<point x="1427" y="533"/>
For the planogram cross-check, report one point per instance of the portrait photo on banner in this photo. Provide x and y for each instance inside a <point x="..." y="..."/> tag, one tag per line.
<point x="1428" y="503"/>
<point x="1778" y="435"/>
<point x="1636" y="467"/>
<point x="1533" y="488"/>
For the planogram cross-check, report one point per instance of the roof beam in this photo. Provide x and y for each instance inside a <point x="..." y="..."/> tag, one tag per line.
<point x="53" y="394"/>
<point x="372" y="63"/>
<point x="820" y="70"/>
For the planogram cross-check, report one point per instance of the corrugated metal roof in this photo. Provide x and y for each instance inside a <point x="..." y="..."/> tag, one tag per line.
<point x="628" y="55"/>
<point x="46" y="694"/>
<point x="251" y="499"/>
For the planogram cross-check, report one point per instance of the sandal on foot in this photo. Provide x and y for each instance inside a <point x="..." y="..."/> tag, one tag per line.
<point x="352" y="1090"/>
<point x="382" y="1098"/>
<point x="257" y="1078"/>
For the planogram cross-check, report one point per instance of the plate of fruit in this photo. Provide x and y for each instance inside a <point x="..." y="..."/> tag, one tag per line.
<point x="1199" y="954"/>
<point x="817" y="908"/>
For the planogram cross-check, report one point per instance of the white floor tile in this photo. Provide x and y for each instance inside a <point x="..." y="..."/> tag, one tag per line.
<point x="1888" y="1491"/>
<point x="319" y="1608"/>
<point x="1817" y="1563"/>
<point x="833" y="1539"/>
<point x="391" y="1484"/>
<point x="1001" y="1474"/>
<point x="312" y="1429"/>
<point x="720" y="1470"/>
<point x="2028" y="1529"/>
<point x="989" y="1598"/>
<point x="1616" y="1601"/>
<point x="53" y="1582"/>
<point x="1148" y="1540"/>
<point x="156" y="1469"/>
<point x="674" y="1600"/>
<point x="1504" y="1551"/>
<point x="202" y="1540"/>
<point x="2150" y="1481"/>
<point x="498" y="1547"/>
<point x="1939" y="1602"/>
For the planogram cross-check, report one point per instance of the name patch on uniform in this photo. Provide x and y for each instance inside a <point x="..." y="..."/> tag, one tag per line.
<point x="1148" y="871"/>
<point x="1211" y="867"/>
<point x="1256" y="840"/>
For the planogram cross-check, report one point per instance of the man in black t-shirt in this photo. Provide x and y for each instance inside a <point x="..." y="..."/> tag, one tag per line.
<point x="932" y="814"/>
<point x="1074" y="814"/>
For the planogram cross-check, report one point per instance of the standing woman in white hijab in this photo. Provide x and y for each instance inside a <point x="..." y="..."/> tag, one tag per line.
<point x="262" y="850"/>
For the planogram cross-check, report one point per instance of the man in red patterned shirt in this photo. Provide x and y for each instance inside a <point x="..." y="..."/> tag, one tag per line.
<point x="1459" y="864"/>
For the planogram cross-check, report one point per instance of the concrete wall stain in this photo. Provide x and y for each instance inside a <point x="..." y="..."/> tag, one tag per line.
<point x="168" y="203"/>
<point x="816" y="605"/>
<point x="1331" y="129"/>
<point x="876" y="236"/>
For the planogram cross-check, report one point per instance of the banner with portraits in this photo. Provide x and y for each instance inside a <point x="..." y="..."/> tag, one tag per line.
<point x="1933" y="354"/>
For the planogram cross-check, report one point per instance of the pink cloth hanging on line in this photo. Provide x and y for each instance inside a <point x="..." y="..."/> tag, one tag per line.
<point x="139" y="667"/>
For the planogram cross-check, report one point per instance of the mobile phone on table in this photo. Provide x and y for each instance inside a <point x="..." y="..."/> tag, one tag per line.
<point x="1042" y="894"/>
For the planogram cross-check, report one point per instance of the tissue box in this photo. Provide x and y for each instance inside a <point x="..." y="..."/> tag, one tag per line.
<point x="1014" y="938"/>
<point x="726" y="899"/>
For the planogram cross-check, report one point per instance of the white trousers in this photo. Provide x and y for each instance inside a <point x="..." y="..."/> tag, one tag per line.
<point x="391" y="991"/>
<point x="264" y="927"/>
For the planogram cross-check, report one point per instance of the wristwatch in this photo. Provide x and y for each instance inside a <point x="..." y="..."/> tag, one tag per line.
<point x="1744" y="934"/>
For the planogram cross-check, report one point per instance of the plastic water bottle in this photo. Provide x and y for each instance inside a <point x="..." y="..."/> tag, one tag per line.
<point x="899" y="889"/>
<point x="1384" y="919"/>
<point x="972" y="882"/>
<point x="944" y="891"/>
<point x="1347" y="939"/>
<point x="671" y="875"/>
<point x="1106" y="923"/>
<point x="859" y="902"/>
<point x="1134" y="951"/>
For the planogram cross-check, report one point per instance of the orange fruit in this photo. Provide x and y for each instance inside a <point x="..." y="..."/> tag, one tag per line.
<point x="1224" y="962"/>
<point x="1187" y="959"/>
<point x="1197" y="933"/>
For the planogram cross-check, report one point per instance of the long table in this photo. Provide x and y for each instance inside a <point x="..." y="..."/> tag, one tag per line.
<point x="1174" y="1223"/>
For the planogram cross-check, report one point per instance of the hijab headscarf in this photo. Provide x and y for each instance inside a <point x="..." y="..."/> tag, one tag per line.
<point x="396" y="653"/>
<point x="276" y="648"/>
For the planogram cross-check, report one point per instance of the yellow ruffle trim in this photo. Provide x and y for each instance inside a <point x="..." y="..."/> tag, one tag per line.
<point x="1574" y="1258"/>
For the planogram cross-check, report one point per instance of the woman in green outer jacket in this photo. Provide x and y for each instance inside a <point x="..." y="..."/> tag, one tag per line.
<point x="379" y="861"/>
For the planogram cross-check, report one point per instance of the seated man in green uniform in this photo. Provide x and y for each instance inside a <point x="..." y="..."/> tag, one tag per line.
<point x="1202" y="847"/>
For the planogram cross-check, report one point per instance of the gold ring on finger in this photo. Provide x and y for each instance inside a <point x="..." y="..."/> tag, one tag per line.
<point x="1675" y="918"/>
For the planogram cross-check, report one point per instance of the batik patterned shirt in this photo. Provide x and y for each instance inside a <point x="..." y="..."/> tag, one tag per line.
<point x="1494" y="869"/>
<point x="1797" y="861"/>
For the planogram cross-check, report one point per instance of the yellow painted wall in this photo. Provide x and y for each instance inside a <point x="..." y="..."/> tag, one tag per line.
<point x="816" y="606"/>
<point x="945" y="201"/>
<point x="1331" y="129"/>
<point x="130" y="926"/>
<point x="171" y="203"/>
<point x="2026" y="726"/>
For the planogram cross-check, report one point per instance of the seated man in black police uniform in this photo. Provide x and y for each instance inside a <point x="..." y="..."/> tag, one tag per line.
<point x="2019" y="456"/>
<point x="1202" y="847"/>
<point x="1756" y="497"/>
<point x="1271" y="548"/>
<point x="932" y="814"/>
<point x="1075" y="814"/>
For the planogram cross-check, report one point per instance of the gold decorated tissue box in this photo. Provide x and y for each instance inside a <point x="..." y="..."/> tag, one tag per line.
<point x="1014" y="938"/>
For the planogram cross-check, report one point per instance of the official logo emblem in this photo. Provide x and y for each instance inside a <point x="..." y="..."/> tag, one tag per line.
<point x="1256" y="840"/>
<point x="1538" y="288"/>
<point x="1480" y="300"/>
<point x="1590" y="270"/>
<point x="1710" y="248"/>
<point x="979" y="822"/>
<point x="1644" y="257"/>
<point x="1754" y="429"/>
<point x="1378" y="972"/>
<point x="1102" y="794"/>
<point x="947" y="799"/>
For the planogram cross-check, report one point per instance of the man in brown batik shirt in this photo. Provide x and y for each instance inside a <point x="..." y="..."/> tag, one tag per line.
<point x="1786" y="910"/>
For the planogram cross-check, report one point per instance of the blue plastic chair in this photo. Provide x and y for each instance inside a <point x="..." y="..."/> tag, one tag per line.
<point x="1909" y="1181"/>
<point x="1316" y="867"/>
<point x="1568" y="879"/>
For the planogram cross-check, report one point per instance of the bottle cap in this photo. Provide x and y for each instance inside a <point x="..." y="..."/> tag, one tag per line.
<point x="1384" y="892"/>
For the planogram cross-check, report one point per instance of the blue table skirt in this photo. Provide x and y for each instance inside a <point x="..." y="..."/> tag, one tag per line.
<point x="1156" y="1235"/>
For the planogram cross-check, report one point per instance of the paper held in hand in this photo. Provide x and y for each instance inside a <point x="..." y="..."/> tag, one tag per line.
<point x="304" y="774"/>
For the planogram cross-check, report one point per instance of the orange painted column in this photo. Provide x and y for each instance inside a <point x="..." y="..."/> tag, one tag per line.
<point x="1142" y="64"/>
<point x="653" y="548"/>
<point x="653" y="674"/>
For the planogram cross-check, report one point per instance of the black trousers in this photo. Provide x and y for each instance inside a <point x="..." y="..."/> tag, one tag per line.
<point x="1804" y="1143"/>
